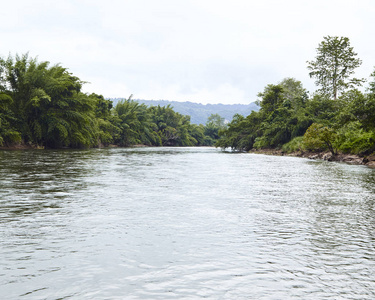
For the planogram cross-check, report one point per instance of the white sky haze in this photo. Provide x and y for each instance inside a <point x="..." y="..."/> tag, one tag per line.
<point x="207" y="51"/>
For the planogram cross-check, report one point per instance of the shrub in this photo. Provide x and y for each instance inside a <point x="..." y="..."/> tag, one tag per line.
<point x="294" y="145"/>
<point x="319" y="137"/>
<point x="354" y="139"/>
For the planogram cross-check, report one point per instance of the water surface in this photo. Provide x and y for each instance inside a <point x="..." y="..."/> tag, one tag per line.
<point x="183" y="223"/>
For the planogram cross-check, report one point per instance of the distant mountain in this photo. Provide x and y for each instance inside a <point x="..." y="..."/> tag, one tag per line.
<point x="200" y="112"/>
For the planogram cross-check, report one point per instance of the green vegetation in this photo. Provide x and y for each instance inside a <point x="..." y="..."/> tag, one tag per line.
<point x="199" y="113"/>
<point x="333" y="66"/>
<point x="43" y="106"/>
<point x="337" y="118"/>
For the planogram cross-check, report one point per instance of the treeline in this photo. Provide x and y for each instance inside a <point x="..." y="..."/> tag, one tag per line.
<point x="336" y="118"/>
<point x="43" y="106"/>
<point x="200" y="112"/>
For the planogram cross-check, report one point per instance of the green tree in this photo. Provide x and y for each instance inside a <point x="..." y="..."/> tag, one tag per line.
<point x="106" y="119"/>
<point x="321" y="109"/>
<point x="214" y="124"/>
<point x="352" y="138"/>
<point x="172" y="128"/>
<point x="8" y="134"/>
<point x="277" y="128"/>
<point x="282" y="116"/>
<point x="276" y="114"/>
<point x="356" y="106"/>
<point x="241" y="133"/>
<point x="271" y="98"/>
<point x="371" y="87"/>
<point x="49" y="106"/>
<point x="294" y="92"/>
<point x="333" y="66"/>
<point x="319" y="137"/>
<point x="135" y="123"/>
<point x="197" y="132"/>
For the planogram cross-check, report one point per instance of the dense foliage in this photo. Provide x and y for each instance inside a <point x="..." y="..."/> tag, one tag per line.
<point x="43" y="106"/>
<point x="290" y="120"/>
<point x="282" y="116"/>
<point x="199" y="113"/>
<point x="301" y="123"/>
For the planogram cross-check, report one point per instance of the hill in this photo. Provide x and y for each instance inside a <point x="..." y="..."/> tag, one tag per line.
<point x="200" y="112"/>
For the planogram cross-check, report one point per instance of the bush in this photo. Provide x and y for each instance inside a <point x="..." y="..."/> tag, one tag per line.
<point x="294" y="145"/>
<point x="354" y="139"/>
<point x="10" y="137"/>
<point x="319" y="137"/>
<point x="261" y="143"/>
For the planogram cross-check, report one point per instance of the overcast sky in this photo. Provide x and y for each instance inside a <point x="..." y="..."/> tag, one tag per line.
<point x="206" y="51"/>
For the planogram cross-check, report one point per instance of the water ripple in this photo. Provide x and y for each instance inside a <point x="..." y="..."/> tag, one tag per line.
<point x="183" y="223"/>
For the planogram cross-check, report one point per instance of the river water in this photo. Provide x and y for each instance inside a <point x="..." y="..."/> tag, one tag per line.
<point x="184" y="223"/>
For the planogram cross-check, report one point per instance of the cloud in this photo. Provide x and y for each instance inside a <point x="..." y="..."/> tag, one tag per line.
<point x="177" y="50"/>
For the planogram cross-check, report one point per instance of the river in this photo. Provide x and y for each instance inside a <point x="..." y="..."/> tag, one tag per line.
<point x="184" y="223"/>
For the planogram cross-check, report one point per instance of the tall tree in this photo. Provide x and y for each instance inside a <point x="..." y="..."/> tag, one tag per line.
<point x="272" y="98"/>
<point x="333" y="66"/>
<point x="293" y="91"/>
<point x="371" y="87"/>
<point x="133" y="121"/>
<point x="47" y="103"/>
<point x="8" y="133"/>
<point x="214" y="123"/>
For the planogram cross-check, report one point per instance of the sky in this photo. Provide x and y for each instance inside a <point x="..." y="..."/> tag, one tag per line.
<point x="204" y="51"/>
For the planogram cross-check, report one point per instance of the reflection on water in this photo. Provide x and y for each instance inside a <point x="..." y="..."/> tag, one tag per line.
<point x="183" y="223"/>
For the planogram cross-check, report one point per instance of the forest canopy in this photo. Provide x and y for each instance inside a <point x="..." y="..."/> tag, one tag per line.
<point x="337" y="117"/>
<point x="43" y="106"/>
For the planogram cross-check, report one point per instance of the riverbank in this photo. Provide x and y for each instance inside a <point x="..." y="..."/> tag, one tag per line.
<point x="21" y="147"/>
<point x="29" y="147"/>
<point x="346" y="158"/>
